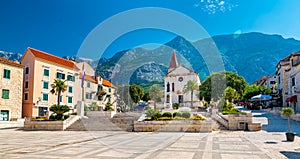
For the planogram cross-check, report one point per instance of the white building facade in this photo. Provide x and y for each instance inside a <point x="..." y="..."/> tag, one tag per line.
<point x="174" y="82"/>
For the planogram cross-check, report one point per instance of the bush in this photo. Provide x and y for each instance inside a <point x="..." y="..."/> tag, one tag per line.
<point x="59" y="110"/>
<point x="108" y="107"/>
<point x="186" y="115"/>
<point x="176" y="105"/>
<point x="176" y="114"/>
<point x="154" y="114"/>
<point x="232" y="111"/>
<point x="198" y="117"/>
<point x="167" y="114"/>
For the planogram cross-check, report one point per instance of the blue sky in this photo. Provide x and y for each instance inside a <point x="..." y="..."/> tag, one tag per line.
<point x="60" y="26"/>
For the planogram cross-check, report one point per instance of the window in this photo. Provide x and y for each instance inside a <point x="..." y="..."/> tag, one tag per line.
<point x="27" y="70"/>
<point x="5" y="93"/>
<point x="6" y="74"/>
<point x="293" y="81"/>
<point x="88" y="84"/>
<point x="60" y="75"/>
<point x="45" y="85"/>
<point x="70" y="78"/>
<point x="60" y="99"/>
<point x="173" y="87"/>
<point x="109" y="89"/>
<point x="42" y="111"/>
<point x="168" y="87"/>
<point x="4" y="115"/>
<point x="70" y="99"/>
<point x="45" y="97"/>
<point x="109" y="99"/>
<point x="279" y="79"/>
<point x="88" y="95"/>
<point x="100" y="88"/>
<point x="272" y="82"/>
<point x="26" y="84"/>
<point x="46" y="72"/>
<point x="70" y="89"/>
<point x="26" y="96"/>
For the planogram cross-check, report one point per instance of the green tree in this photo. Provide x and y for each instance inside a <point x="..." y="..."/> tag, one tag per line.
<point x="146" y="97"/>
<point x="136" y="93"/>
<point x="154" y="93"/>
<point x="215" y="84"/>
<point x="58" y="87"/>
<point x="230" y="93"/>
<point x="288" y="112"/>
<point x="253" y="90"/>
<point x="192" y="87"/>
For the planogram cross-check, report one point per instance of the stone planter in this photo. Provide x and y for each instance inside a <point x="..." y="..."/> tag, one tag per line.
<point x="173" y="126"/>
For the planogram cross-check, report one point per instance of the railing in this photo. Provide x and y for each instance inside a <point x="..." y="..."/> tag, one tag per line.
<point x="221" y="119"/>
<point x="70" y="121"/>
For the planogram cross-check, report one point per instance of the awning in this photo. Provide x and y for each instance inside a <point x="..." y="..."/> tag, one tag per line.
<point x="291" y="99"/>
<point x="294" y="98"/>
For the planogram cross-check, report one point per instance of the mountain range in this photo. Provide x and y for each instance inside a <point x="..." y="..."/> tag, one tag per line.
<point x="251" y="55"/>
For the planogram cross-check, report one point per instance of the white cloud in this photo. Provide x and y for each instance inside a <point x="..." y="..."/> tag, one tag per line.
<point x="214" y="6"/>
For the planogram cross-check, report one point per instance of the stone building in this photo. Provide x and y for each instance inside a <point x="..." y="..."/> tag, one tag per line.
<point x="11" y="89"/>
<point x="174" y="82"/>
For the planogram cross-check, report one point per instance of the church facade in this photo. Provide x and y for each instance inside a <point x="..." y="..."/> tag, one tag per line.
<point x="174" y="82"/>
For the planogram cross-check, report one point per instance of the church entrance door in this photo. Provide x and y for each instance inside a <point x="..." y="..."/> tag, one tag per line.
<point x="180" y="99"/>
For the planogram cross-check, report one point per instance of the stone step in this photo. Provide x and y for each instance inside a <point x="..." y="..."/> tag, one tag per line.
<point x="99" y="121"/>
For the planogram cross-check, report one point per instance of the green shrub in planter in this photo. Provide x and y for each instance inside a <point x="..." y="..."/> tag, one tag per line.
<point x="198" y="117"/>
<point x="154" y="114"/>
<point x="186" y="115"/>
<point x="176" y="114"/>
<point x="176" y="105"/>
<point x="167" y="114"/>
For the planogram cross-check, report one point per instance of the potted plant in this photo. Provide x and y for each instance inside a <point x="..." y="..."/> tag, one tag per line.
<point x="288" y="112"/>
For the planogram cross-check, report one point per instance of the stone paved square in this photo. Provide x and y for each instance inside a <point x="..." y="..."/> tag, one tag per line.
<point x="119" y="144"/>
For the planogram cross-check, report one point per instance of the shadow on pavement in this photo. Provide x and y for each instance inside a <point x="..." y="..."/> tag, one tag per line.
<point x="291" y="155"/>
<point x="276" y="123"/>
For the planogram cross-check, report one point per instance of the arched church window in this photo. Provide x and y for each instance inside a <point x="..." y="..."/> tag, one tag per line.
<point x="168" y="87"/>
<point x="173" y="87"/>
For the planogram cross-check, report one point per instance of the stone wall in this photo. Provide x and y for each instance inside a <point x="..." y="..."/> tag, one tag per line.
<point x="173" y="126"/>
<point x="50" y="125"/>
<point x="15" y="87"/>
<point x="235" y="121"/>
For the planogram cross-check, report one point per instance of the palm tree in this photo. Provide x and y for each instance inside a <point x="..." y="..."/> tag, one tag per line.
<point x="191" y="86"/>
<point x="58" y="87"/>
<point x="154" y="93"/>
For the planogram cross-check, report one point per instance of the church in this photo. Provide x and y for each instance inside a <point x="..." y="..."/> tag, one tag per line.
<point x="174" y="82"/>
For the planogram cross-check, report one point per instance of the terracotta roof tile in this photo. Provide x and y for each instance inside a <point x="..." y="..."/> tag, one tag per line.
<point x="6" y="61"/>
<point x="52" y="58"/>
<point x="88" y="78"/>
<point x="107" y="83"/>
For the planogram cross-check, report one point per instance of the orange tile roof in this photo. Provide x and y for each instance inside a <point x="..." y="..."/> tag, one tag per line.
<point x="52" y="58"/>
<point x="6" y="61"/>
<point x="88" y="78"/>
<point x="107" y="83"/>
